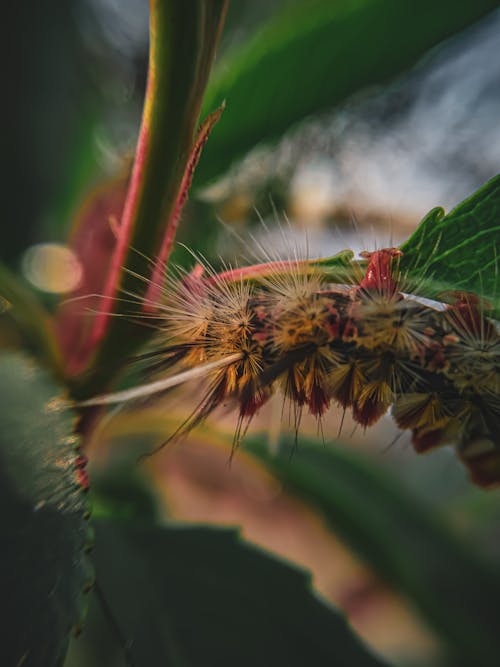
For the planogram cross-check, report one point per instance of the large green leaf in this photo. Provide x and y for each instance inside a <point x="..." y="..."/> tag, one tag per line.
<point x="45" y="531"/>
<point x="314" y="54"/>
<point x="459" y="251"/>
<point x="405" y="542"/>
<point x="201" y="597"/>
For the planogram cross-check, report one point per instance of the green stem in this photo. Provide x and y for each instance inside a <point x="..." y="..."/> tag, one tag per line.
<point x="183" y="38"/>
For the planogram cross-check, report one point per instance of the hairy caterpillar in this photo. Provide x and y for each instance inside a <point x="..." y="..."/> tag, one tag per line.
<point x="365" y="347"/>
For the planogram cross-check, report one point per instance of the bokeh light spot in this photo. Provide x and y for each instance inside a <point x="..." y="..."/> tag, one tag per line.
<point x="52" y="267"/>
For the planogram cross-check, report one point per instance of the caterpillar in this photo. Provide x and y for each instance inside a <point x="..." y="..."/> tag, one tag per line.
<point x="366" y="347"/>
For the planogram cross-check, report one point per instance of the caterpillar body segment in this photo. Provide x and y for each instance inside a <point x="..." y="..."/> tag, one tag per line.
<point x="367" y="348"/>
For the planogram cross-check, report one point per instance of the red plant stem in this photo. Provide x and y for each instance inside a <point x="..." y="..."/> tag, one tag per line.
<point x="259" y="270"/>
<point x="125" y="228"/>
<point x="155" y="286"/>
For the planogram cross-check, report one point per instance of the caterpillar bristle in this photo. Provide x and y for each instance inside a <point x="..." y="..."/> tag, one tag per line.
<point x="365" y="347"/>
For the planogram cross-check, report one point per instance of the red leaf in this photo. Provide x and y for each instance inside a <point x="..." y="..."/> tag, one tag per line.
<point x="93" y="241"/>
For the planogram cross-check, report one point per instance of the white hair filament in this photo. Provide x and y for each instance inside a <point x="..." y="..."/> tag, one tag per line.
<point x="160" y="385"/>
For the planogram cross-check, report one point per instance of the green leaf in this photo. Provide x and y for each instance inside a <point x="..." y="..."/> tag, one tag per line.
<point x="121" y="490"/>
<point x="403" y="540"/>
<point x="45" y="530"/>
<point x="183" y="38"/>
<point x="315" y="54"/>
<point x="200" y="596"/>
<point x="458" y="251"/>
<point x="20" y="308"/>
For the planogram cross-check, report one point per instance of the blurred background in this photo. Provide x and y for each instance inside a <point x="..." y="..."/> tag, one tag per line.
<point x="364" y="171"/>
<point x="360" y="175"/>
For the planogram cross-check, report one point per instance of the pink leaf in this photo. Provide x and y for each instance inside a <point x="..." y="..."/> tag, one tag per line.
<point x="93" y="241"/>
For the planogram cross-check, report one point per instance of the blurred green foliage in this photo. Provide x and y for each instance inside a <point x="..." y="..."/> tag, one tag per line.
<point x="44" y="513"/>
<point x="312" y="55"/>
<point x="197" y="596"/>
<point x="201" y="596"/>
<point x="407" y="542"/>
